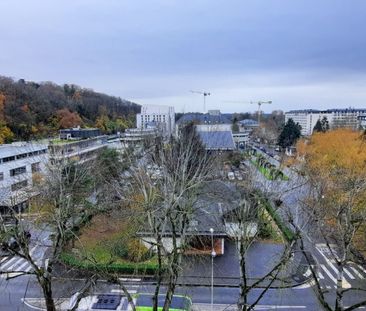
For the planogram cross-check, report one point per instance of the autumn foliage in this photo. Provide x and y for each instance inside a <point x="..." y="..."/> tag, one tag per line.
<point x="335" y="163"/>
<point x="68" y="119"/>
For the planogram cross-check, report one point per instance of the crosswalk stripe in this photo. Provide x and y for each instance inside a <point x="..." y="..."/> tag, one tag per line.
<point x="20" y="268"/>
<point x="327" y="260"/>
<point x="2" y="260"/>
<point x="17" y="263"/>
<point x="357" y="273"/>
<point x="362" y="269"/>
<point x="328" y="273"/>
<point x="320" y="275"/>
<point x="349" y="274"/>
<point x="8" y="263"/>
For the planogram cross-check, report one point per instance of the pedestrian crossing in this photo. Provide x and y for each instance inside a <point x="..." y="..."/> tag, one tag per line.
<point x="14" y="265"/>
<point x="328" y="272"/>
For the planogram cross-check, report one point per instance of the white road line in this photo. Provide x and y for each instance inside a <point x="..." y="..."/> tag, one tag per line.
<point x="345" y="284"/>
<point x="2" y="260"/>
<point x="120" y="291"/>
<point x="349" y="274"/>
<point x="8" y="263"/>
<point x="20" y="268"/>
<point x="328" y="287"/>
<point x="17" y="263"/>
<point x="357" y="273"/>
<point x="327" y="260"/>
<point x="360" y="267"/>
<point x="320" y="275"/>
<point x="329" y="274"/>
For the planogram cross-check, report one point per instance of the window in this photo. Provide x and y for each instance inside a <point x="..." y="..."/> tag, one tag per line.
<point x="18" y="171"/>
<point x="22" y="156"/>
<point x="36" y="167"/>
<point x="8" y="159"/>
<point x="1" y="176"/>
<point x="19" y="185"/>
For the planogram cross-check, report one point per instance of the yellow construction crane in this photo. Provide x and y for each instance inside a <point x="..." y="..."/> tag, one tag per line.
<point x="204" y="98"/>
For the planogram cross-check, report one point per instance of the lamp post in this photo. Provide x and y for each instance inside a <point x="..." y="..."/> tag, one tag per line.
<point x="213" y="254"/>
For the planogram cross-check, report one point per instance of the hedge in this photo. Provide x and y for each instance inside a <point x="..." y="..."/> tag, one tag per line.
<point x="126" y="267"/>
<point x="287" y="233"/>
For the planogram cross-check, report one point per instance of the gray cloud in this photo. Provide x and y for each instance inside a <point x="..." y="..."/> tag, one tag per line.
<point x="155" y="51"/>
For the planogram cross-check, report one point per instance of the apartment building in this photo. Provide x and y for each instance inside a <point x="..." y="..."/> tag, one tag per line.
<point x="163" y="117"/>
<point x="20" y="167"/>
<point x="349" y="118"/>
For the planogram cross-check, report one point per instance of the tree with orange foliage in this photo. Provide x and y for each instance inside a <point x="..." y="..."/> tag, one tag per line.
<point x="335" y="163"/>
<point x="67" y="119"/>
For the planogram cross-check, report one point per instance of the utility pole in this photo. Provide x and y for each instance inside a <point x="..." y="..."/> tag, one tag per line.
<point x="204" y="98"/>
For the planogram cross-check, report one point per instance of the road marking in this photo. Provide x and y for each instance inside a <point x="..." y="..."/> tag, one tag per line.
<point x="328" y="273"/>
<point x="360" y="267"/>
<point x="2" y="260"/>
<point x="320" y="275"/>
<point x="349" y="274"/>
<point x="328" y="287"/>
<point x="8" y="263"/>
<point x="120" y="291"/>
<point x="357" y="273"/>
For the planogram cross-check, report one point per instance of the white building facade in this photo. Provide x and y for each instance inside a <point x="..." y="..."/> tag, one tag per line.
<point x="346" y="118"/>
<point x="162" y="116"/>
<point x="21" y="165"/>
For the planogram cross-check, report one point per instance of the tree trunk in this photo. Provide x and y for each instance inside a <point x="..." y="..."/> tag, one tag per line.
<point x="243" y="303"/>
<point x="339" y="294"/>
<point x="47" y="293"/>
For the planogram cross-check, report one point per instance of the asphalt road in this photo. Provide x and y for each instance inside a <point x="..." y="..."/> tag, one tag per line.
<point x="292" y="192"/>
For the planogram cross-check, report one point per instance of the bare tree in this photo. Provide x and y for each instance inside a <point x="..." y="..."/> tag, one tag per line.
<point x="61" y="202"/>
<point x="244" y="219"/>
<point x="168" y="201"/>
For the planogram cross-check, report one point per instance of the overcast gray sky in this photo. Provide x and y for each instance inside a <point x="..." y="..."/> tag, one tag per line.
<point x="297" y="53"/>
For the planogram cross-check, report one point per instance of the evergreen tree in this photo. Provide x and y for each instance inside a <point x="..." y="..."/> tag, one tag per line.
<point x="291" y="132"/>
<point x="321" y="125"/>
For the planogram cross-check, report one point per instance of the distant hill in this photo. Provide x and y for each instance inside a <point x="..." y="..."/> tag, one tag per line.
<point x="31" y="110"/>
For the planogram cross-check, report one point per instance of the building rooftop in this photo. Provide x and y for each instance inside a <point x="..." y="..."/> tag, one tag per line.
<point x="249" y="122"/>
<point x="18" y="148"/>
<point x="217" y="140"/>
<point x="200" y="118"/>
<point x="343" y="110"/>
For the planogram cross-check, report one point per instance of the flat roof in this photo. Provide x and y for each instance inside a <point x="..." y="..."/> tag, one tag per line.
<point x="8" y="150"/>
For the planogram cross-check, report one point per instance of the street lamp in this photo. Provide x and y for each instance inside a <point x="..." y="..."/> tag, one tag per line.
<point x="213" y="254"/>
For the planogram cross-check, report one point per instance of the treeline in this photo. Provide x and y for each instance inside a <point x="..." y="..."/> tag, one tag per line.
<point x="30" y="110"/>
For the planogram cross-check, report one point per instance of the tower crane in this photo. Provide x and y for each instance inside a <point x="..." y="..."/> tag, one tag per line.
<point x="204" y="97"/>
<point x="259" y="103"/>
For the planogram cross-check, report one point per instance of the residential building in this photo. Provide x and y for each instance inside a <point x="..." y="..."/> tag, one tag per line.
<point x="21" y="165"/>
<point x="348" y="118"/>
<point x="162" y="116"/>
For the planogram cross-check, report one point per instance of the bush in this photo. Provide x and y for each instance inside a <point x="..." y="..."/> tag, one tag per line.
<point x="119" y="249"/>
<point x="126" y="268"/>
<point x="136" y="251"/>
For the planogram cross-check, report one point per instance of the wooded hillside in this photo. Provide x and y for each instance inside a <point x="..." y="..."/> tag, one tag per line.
<point x="35" y="110"/>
